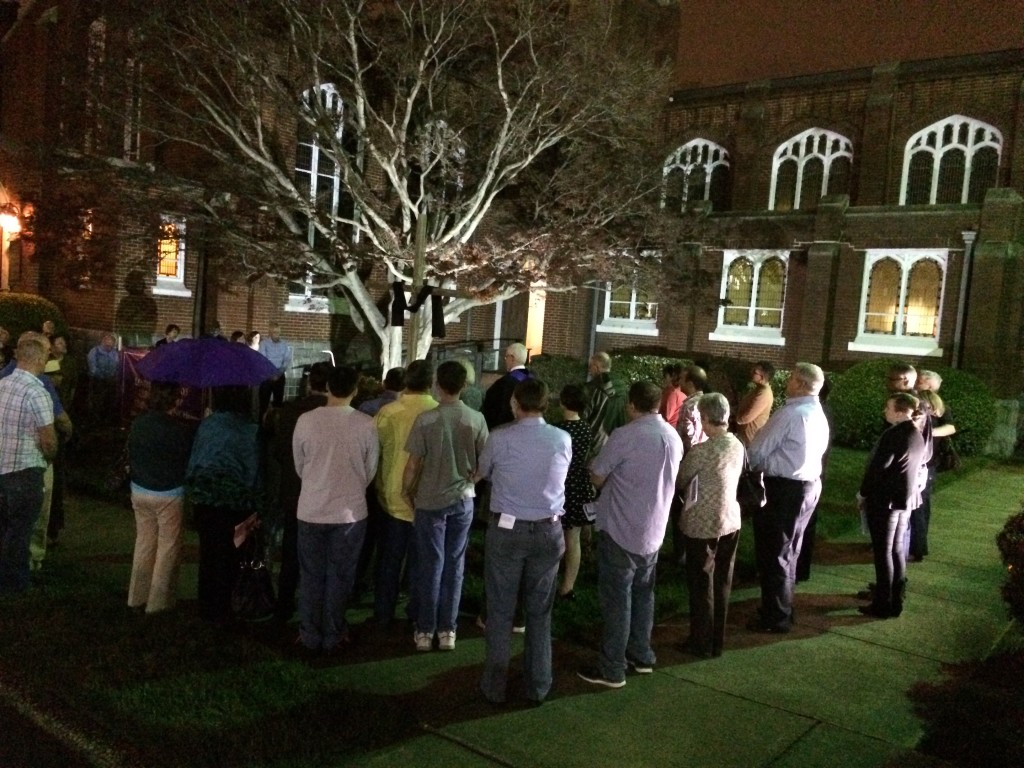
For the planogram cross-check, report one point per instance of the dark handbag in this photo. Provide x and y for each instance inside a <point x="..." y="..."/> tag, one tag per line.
<point x="948" y="459"/>
<point x="253" y="596"/>
<point x="750" y="488"/>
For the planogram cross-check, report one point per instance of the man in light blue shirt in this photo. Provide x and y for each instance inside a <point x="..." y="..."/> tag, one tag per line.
<point x="526" y="462"/>
<point x="636" y="474"/>
<point x="789" y="451"/>
<point x="279" y="353"/>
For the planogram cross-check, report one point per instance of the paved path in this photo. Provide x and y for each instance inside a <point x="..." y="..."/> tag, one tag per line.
<point x="832" y="693"/>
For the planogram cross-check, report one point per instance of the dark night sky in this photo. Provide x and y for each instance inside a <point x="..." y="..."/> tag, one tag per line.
<point x="733" y="41"/>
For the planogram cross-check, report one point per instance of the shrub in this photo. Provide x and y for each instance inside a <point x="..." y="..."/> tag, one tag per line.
<point x="1011" y="546"/>
<point x="858" y="398"/>
<point x="20" y="312"/>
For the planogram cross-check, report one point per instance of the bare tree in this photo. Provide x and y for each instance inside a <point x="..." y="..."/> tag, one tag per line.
<point x="518" y="136"/>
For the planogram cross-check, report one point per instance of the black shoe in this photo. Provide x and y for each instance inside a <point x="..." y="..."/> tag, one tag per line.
<point x="567" y="596"/>
<point x="692" y="649"/>
<point x="875" y="611"/>
<point x="593" y="675"/>
<point x="755" y="625"/>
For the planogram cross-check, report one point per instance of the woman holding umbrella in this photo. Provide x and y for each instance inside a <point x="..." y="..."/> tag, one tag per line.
<point x="223" y="481"/>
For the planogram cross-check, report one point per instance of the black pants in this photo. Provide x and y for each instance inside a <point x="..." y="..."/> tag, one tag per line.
<point x="888" y="530"/>
<point x="709" y="568"/>
<point x="920" y="519"/>
<point x="218" y="559"/>
<point x="288" y="578"/>
<point x="778" y="536"/>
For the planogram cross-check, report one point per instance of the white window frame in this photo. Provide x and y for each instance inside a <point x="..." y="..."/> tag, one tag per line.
<point x="308" y="300"/>
<point x="919" y="142"/>
<point x="795" y="148"/>
<point x="632" y="325"/>
<point x="687" y="159"/>
<point x="166" y="285"/>
<point x="917" y="346"/>
<point x="750" y="333"/>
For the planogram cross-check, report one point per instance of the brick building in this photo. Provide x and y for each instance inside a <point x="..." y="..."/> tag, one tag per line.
<point x="840" y="213"/>
<point x="863" y="201"/>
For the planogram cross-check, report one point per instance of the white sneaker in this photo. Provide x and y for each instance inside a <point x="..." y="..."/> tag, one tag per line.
<point x="424" y="642"/>
<point x="446" y="641"/>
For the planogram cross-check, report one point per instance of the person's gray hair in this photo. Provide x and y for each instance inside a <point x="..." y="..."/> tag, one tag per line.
<point x="932" y="376"/>
<point x="810" y="376"/>
<point x="715" y="408"/>
<point x="518" y="353"/>
<point x="32" y="349"/>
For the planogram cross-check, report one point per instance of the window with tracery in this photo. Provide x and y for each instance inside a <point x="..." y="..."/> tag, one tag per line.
<point x="901" y="300"/>
<point x="698" y="170"/>
<point x="807" y="167"/>
<point x="753" y="296"/>
<point x="319" y="174"/>
<point x="954" y="160"/>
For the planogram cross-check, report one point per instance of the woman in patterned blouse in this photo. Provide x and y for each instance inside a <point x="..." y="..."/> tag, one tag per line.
<point x="710" y="524"/>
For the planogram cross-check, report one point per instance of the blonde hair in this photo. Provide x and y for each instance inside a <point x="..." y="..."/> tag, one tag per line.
<point x="931" y="397"/>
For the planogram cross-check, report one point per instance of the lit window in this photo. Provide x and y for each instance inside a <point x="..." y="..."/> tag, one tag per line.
<point x="807" y="167"/>
<point x="952" y="161"/>
<point x="901" y="301"/>
<point x="629" y="309"/>
<point x="698" y="170"/>
<point x="170" y="252"/>
<point x="753" y="295"/>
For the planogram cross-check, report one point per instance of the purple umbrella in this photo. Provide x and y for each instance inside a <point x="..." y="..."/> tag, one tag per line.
<point x="206" y="362"/>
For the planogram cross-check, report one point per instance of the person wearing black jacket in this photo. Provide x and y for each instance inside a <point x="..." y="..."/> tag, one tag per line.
<point x="497" y="407"/>
<point x="891" y="488"/>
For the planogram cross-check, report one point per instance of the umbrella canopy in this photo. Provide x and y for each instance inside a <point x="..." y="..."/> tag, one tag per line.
<point x="206" y="362"/>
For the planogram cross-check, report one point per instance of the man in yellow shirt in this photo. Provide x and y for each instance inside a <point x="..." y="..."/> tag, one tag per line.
<point x="397" y="547"/>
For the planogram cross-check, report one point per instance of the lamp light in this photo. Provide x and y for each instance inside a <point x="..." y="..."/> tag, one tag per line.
<point x="10" y="218"/>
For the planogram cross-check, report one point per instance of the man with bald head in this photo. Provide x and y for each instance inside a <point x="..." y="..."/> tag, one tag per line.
<point x="605" y="410"/>
<point x="28" y="441"/>
<point x="497" y="407"/>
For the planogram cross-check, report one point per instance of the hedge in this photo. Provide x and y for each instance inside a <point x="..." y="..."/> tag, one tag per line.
<point x="20" y="312"/>
<point x="858" y="398"/>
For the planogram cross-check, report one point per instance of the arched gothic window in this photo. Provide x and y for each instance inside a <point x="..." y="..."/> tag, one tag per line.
<point x="901" y="301"/>
<point x="698" y="170"/>
<point x="807" y="167"/>
<point x="954" y="160"/>
<point x="754" y="294"/>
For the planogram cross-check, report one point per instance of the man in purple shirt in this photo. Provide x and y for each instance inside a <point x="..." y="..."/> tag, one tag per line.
<point x="636" y="474"/>
<point x="526" y="462"/>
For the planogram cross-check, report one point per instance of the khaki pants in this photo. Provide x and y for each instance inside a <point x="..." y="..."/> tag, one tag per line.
<point x="154" y="581"/>
<point x="37" y="546"/>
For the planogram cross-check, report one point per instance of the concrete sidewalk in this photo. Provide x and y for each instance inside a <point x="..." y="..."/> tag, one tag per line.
<point x="834" y="692"/>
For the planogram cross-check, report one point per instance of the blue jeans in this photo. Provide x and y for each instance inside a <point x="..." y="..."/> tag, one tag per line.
<point x="21" y="499"/>
<point x="397" y="546"/>
<point x="441" y="538"/>
<point x="625" y="588"/>
<point x="527" y="555"/>
<point x="328" y="555"/>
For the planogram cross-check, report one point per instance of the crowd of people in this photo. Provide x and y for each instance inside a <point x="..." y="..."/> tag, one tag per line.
<point x="390" y="481"/>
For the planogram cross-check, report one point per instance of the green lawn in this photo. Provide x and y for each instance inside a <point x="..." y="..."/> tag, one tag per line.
<point x="173" y="691"/>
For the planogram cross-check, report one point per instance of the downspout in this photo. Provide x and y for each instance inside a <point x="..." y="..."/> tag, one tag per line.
<point x="969" y="236"/>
